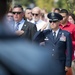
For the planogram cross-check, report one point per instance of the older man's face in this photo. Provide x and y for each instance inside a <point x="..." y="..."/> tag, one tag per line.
<point x="36" y="14"/>
<point x="54" y="25"/>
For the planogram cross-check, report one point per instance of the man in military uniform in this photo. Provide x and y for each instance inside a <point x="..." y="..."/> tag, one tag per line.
<point x="59" y="44"/>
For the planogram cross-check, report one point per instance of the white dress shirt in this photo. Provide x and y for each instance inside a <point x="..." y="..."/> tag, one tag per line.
<point x="29" y="20"/>
<point x="21" y="23"/>
<point x="56" y="32"/>
<point x="39" y="24"/>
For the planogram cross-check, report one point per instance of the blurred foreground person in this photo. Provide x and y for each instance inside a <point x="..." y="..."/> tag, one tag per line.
<point x="9" y="16"/>
<point x="9" y="21"/>
<point x="58" y="42"/>
<point x="3" y="11"/>
<point x="20" y="57"/>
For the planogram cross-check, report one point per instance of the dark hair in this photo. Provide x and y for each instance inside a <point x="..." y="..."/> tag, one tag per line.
<point x="72" y="15"/>
<point x="10" y="12"/>
<point x="64" y="11"/>
<point x="28" y="9"/>
<point x="58" y="9"/>
<point x="19" y="6"/>
<point x="4" y="7"/>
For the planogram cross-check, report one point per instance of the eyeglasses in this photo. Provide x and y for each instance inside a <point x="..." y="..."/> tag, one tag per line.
<point x="53" y="21"/>
<point x="17" y="12"/>
<point x="35" y="14"/>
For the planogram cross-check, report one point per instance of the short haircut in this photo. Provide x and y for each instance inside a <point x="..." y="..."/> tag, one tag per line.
<point x="28" y="9"/>
<point x="18" y="6"/>
<point x="72" y="15"/>
<point x="64" y="11"/>
<point x="58" y="9"/>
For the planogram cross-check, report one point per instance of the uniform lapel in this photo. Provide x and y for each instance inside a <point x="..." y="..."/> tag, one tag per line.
<point x="58" y="36"/>
<point x="51" y="36"/>
<point x="24" y="26"/>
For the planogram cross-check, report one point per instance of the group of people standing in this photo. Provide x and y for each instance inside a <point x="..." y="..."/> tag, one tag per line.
<point x="54" y="33"/>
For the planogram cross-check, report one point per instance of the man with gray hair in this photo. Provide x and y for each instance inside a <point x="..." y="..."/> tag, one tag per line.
<point x="36" y="14"/>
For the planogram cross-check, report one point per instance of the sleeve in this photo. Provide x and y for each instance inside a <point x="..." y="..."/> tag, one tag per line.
<point x="73" y="38"/>
<point x="39" y="36"/>
<point x="69" y="51"/>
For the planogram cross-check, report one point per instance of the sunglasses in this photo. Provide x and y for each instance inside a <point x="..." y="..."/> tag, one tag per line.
<point x="17" y="12"/>
<point x="53" y="21"/>
<point x="35" y="14"/>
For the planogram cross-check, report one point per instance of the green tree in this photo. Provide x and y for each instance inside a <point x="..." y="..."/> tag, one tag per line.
<point x="62" y="4"/>
<point x="67" y="4"/>
<point x="24" y="2"/>
<point x="47" y="4"/>
<point x="71" y="5"/>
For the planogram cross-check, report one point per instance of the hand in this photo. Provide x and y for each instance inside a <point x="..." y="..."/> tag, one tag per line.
<point x="67" y="68"/>
<point x="44" y="27"/>
<point x="19" y="32"/>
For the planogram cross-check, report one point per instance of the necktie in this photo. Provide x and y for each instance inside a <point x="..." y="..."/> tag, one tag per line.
<point x="17" y="26"/>
<point x="35" y="22"/>
<point x="54" y="35"/>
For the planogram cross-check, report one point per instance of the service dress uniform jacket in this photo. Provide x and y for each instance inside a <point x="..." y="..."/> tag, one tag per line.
<point x="60" y="49"/>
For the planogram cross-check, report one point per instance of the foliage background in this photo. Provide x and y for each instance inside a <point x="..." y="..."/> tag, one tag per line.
<point x="49" y="4"/>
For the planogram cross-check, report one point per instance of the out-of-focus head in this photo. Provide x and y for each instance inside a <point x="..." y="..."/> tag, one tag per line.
<point x="64" y="14"/>
<point x="71" y="18"/>
<point x="28" y="13"/>
<point x="4" y="7"/>
<point x="36" y="12"/>
<point x="9" y="16"/>
<point x="18" y="13"/>
<point x="44" y="11"/>
<point x="57" y="10"/>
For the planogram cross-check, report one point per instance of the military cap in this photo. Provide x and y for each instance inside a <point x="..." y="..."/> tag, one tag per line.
<point x="54" y="16"/>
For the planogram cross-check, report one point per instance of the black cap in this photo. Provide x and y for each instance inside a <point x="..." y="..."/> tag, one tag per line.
<point x="54" y="16"/>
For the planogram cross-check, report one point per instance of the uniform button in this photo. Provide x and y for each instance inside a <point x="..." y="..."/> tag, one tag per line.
<point x="52" y="54"/>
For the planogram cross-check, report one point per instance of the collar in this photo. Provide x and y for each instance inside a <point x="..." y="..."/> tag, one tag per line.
<point x="21" y="21"/>
<point x="29" y="20"/>
<point x="55" y="31"/>
<point x="39" y="21"/>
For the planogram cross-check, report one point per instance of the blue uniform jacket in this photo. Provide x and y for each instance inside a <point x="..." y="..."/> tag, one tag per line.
<point x="60" y="49"/>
